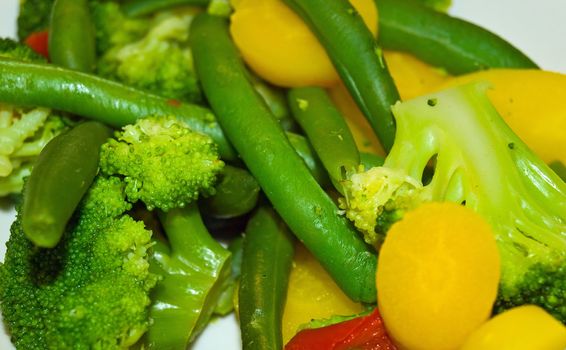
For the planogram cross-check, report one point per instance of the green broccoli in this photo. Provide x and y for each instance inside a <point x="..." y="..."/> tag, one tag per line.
<point x="167" y="166"/>
<point x="95" y="289"/>
<point x="480" y="162"/>
<point x="150" y="53"/>
<point x="24" y="131"/>
<point x="91" y="290"/>
<point x="142" y="151"/>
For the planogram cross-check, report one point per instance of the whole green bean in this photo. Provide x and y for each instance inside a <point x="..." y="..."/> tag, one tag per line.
<point x="263" y="146"/>
<point x="60" y="177"/>
<point x="89" y="96"/>
<point x="266" y="262"/>
<point x="71" y="35"/>
<point x="236" y="194"/>
<point x="326" y="130"/>
<point x="444" y="41"/>
<point x="358" y="59"/>
<point x="136" y="8"/>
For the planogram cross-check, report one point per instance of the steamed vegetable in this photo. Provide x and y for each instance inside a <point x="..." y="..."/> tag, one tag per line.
<point x="479" y="162"/>
<point x="308" y="211"/>
<point x="61" y="176"/>
<point x="91" y="290"/>
<point x="360" y="64"/>
<point x="151" y="54"/>
<point x="285" y="52"/>
<point x="96" y="98"/>
<point x="24" y="130"/>
<point x="521" y="328"/>
<point x="266" y="261"/>
<point x="437" y="276"/>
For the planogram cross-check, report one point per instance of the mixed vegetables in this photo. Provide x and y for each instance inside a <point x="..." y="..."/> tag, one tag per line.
<point x="372" y="180"/>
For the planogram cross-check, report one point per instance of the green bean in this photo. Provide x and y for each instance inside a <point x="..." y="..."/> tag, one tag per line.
<point x="92" y="97"/>
<point x="236" y="194"/>
<point x="357" y="58"/>
<point x="326" y="130"/>
<point x="266" y="263"/>
<point x="135" y="8"/>
<point x="304" y="149"/>
<point x="444" y="41"/>
<point x="275" y="99"/>
<point x="63" y="172"/>
<point x="263" y="146"/>
<point x="71" y="35"/>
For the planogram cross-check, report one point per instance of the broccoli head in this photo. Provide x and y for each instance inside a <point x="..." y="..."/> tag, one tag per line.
<point x="163" y="163"/>
<point x="479" y="162"/>
<point x="91" y="290"/>
<point x="151" y="54"/>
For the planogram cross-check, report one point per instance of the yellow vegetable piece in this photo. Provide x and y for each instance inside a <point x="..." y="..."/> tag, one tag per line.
<point x="532" y="104"/>
<point x="359" y="126"/>
<point x="312" y="294"/>
<point x="522" y="328"/>
<point x="280" y="47"/>
<point x="437" y="276"/>
<point x="412" y="76"/>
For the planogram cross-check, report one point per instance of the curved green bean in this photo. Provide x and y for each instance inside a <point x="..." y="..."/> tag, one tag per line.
<point x="236" y="194"/>
<point x="360" y="62"/>
<point x="326" y="130"/>
<point x="137" y="8"/>
<point x="71" y="35"/>
<point x="444" y="41"/>
<point x="112" y="103"/>
<point x="61" y="176"/>
<point x="263" y="146"/>
<point x="266" y="262"/>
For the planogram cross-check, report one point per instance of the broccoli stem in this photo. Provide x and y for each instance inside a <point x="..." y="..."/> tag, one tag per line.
<point x="194" y="270"/>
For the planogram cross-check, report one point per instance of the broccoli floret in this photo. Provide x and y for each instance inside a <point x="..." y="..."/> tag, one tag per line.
<point x="151" y="54"/>
<point x="33" y="17"/>
<point x="13" y="49"/>
<point x="164" y="163"/>
<point x="95" y="288"/>
<point x="91" y="290"/>
<point x="167" y="166"/>
<point x="479" y="162"/>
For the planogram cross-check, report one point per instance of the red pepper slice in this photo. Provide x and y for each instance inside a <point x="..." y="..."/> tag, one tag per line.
<point x="38" y="42"/>
<point x="363" y="333"/>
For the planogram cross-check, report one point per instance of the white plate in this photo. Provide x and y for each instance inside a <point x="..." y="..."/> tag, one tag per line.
<point x="535" y="26"/>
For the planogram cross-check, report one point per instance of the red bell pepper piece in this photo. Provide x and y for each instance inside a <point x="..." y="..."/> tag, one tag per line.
<point x="38" y="42"/>
<point x="363" y="333"/>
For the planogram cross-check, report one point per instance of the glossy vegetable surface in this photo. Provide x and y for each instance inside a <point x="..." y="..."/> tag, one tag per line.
<point x="266" y="262"/>
<point x="286" y="181"/>
<point x="61" y="176"/>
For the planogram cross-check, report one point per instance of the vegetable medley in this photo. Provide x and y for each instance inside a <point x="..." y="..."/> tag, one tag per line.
<point x="380" y="176"/>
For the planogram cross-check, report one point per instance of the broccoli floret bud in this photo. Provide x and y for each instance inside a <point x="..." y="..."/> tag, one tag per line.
<point x="479" y="162"/>
<point x="89" y="292"/>
<point x="163" y="163"/>
<point x="376" y="198"/>
<point x="150" y="54"/>
<point x="12" y="49"/>
<point x="23" y="134"/>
